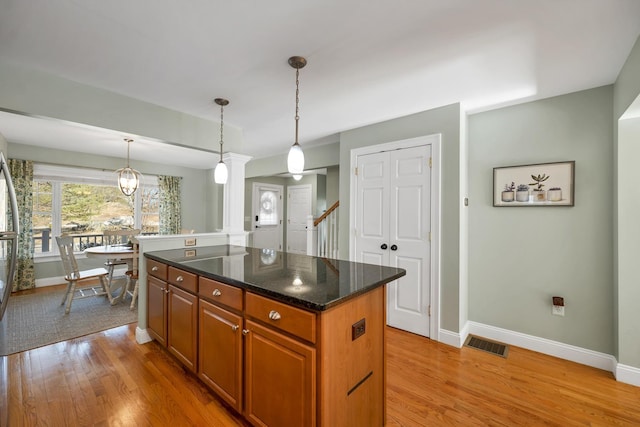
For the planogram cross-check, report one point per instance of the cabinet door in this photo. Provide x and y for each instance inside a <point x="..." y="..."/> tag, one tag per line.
<point x="183" y="326"/>
<point x="280" y="379"/>
<point x="220" y="352"/>
<point x="157" y="309"/>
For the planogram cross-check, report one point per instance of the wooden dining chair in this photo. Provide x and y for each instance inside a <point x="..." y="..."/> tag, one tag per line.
<point x="77" y="286"/>
<point x="132" y="275"/>
<point x="117" y="237"/>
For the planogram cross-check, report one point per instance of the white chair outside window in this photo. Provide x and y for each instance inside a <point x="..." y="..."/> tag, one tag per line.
<point x="80" y="284"/>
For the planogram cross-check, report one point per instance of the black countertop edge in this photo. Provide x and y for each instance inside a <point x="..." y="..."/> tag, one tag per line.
<point x="287" y="299"/>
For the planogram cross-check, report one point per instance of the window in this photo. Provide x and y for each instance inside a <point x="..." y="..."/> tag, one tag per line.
<point x="268" y="207"/>
<point x="84" y="203"/>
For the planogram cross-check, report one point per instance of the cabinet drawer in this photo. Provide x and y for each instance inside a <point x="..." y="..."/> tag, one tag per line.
<point x="298" y="322"/>
<point x="157" y="269"/>
<point x="183" y="279"/>
<point x="220" y="293"/>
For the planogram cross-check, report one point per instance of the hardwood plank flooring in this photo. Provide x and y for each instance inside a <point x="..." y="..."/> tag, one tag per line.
<point x="107" y="379"/>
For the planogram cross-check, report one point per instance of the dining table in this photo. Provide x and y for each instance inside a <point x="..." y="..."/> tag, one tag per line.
<point x="113" y="253"/>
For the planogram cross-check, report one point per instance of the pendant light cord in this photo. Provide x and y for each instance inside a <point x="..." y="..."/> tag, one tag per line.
<point x="128" y="148"/>
<point x="297" y="101"/>
<point x="221" y="128"/>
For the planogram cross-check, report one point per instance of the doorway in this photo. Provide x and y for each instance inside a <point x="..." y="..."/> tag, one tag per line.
<point x="266" y="207"/>
<point x="395" y="193"/>
<point x="298" y="209"/>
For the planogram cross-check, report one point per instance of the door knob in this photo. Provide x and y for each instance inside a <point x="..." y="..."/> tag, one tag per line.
<point x="394" y="248"/>
<point x="383" y="246"/>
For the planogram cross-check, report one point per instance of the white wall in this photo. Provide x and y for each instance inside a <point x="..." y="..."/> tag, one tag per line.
<point x="627" y="319"/>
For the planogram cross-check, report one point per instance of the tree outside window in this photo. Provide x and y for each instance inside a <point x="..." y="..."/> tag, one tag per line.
<point x="86" y="209"/>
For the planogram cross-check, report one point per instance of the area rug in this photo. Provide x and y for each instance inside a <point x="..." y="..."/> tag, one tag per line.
<point x="38" y="319"/>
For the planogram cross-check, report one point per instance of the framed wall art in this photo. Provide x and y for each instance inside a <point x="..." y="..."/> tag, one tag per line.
<point x="541" y="184"/>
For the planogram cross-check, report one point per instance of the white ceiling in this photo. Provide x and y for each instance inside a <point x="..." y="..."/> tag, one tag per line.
<point x="368" y="61"/>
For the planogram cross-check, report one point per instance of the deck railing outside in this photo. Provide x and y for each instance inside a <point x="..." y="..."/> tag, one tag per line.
<point x="42" y="240"/>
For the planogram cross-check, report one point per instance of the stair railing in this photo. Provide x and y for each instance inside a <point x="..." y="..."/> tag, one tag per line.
<point x="322" y="233"/>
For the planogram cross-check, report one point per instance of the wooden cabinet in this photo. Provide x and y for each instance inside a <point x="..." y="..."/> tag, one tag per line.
<point x="274" y="363"/>
<point x="172" y="312"/>
<point x="280" y="378"/>
<point x="157" y="309"/>
<point x="220" y="352"/>
<point x="182" y="329"/>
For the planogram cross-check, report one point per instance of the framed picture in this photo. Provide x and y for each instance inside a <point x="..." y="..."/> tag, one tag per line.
<point x="542" y="184"/>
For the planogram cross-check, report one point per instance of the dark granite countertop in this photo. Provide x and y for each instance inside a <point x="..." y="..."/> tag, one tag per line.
<point x="305" y="281"/>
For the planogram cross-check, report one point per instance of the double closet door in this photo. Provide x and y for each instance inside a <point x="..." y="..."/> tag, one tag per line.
<point x="393" y="220"/>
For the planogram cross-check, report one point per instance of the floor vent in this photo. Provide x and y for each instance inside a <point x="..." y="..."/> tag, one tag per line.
<point x="492" y="347"/>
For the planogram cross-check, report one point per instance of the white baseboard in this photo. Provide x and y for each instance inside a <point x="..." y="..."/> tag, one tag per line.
<point x="142" y="336"/>
<point x="627" y="374"/>
<point x="50" y="281"/>
<point x="542" y="345"/>
<point x="451" y="338"/>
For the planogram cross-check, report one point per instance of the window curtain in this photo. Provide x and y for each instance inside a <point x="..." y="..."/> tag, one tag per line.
<point x="170" y="206"/>
<point x="22" y="178"/>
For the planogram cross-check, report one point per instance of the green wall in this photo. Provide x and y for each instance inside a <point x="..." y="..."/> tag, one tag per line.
<point x="37" y="93"/>
<point x="447" y="122"/>
<point x="520" y="257"/>
<point x="333" y="185"/>
<point x="315" y="157"/>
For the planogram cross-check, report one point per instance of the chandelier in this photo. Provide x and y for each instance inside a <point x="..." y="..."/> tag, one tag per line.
<point x="128" y="179"/>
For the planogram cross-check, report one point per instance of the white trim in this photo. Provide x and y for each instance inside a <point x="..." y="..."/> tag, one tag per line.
<point x="59" y="280"/>
<point x="78" y="174"/>
<point x="542" y="345"/>
<point x="436" y="181"/>
<point x="451" y="338"/>
<point x="50" y="281"/>
<point x="627" y="374"/>
<point x="142" y="336"/>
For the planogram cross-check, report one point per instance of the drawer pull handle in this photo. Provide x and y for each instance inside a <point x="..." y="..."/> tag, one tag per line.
<point x="166" y="291"/>
<point x="274" y="315"/>
<point x="235" y="328"/>
<point x="179" y="279"/>
<point x="245" y="331"/>
<point x="217" y="293"/>
<point x="154" y="268"/>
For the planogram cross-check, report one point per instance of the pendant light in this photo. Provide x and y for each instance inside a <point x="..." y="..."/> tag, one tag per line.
<point x="295" y="160"/>
<point x="221" y="173"/>
<point x="128" y="179"/>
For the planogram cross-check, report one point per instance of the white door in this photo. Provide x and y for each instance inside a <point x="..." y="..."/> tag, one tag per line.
<point x="393" y="220"/>
<point x="267" y="216"/>
<point x="298" y="209"/>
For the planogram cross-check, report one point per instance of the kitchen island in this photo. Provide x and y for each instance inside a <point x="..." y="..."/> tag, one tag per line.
<point x="284" y="339"/>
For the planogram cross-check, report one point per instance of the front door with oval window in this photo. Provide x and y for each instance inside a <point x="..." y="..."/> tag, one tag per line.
<point x="267" y="216"/>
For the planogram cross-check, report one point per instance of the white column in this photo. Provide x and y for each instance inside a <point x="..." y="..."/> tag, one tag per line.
<point x="233" y="199"/>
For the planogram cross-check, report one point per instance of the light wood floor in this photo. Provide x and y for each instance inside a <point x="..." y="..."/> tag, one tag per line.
<point x="107" y="379"/>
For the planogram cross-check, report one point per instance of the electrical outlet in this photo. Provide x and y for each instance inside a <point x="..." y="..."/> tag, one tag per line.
<point x="558" y="310"/>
